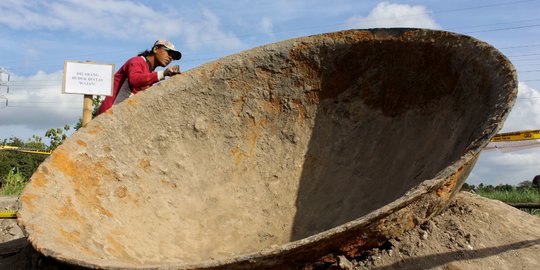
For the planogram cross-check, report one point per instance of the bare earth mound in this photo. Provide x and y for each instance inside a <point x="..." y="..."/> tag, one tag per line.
<point x="473" y="233"/>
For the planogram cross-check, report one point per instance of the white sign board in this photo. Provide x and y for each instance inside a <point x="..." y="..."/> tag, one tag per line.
<point x="88" y="78"/>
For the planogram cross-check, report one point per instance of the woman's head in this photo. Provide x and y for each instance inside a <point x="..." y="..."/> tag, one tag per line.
<point x="163" y="51"/>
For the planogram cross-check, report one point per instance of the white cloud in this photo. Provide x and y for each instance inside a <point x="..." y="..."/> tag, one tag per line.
<point x="525" y="114"/>
<point x="511" y="168"/>
<point x="495" y="167"/>
<point x="117" y="19"/>
<point x="207" y="32"/>
<point x="38" y="102"/>
<point x="386" y="14"/>
<point x="26" y="15"/>
<point x="266" y="25"/>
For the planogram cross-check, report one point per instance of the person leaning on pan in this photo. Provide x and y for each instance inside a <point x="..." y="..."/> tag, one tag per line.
<point x="138" y="74"/>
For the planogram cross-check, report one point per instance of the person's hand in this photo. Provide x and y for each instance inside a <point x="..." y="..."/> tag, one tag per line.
<point x="172" y="70"/>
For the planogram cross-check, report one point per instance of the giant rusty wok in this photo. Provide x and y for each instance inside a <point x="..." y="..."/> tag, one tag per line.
<point x="274" y="157"/>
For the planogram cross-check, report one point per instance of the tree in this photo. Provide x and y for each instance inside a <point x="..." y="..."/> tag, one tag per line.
<point x="57" y="136"/>
<point x="504" y="188"/>
<point x="467" y="187"/>
<point x="524" y="185"/>
<point x="536" y="182"/>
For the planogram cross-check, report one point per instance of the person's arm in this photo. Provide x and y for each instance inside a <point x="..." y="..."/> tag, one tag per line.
<point x="139" y="76"/>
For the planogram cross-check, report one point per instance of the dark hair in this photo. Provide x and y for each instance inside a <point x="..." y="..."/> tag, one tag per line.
<point x="147" y="52"/>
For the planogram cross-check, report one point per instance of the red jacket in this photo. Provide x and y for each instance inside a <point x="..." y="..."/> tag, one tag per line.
<point x="138" y="75"/>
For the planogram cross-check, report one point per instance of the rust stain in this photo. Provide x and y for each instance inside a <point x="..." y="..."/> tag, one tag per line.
<point x="107" y="149"/>
<point x="132" y="102"/>
<point x="313" y="97"/>
<point x="82" y="143"/>
<point x="144" y="164"/>
<point x="28" y="200"/>
<point x="263" y="73"/>
<point x="353" y="247"/>
<point x="350" y="36"/>
<point x="266" y="76"/>
<point x="116" y="249"/>
<point x="68" y="212"/>
<point x="305" y="66"/>
<point x="38" y="179"/>
<point x="61" y="162"/>
<point x="121" y="191"/>
<point x="238" y="105"/>
<point x="98" y="129"/>
<point x="238" y="155"/>
<point x="272" y="106"/>
<point x="168" y="183"/>
<point x="240" y="83"/>
<point x="213" y="68"/>
<point x="85" y="176"/>
<point x="253" y="131"/>
<point x="300" y="108"/>
<point x="69" y="238"/>
<point x="450" y="184"/>
<point x="251" y="134"/>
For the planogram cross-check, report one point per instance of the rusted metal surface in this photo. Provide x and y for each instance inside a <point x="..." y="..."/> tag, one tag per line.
<point x="276" y="157"/>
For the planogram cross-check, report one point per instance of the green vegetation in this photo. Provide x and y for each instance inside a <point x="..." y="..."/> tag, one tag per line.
<point x="524" y="192"/>
<point x="514" y="196"/>
<point x="24" y="163"/>
<point x="13" y="183"/>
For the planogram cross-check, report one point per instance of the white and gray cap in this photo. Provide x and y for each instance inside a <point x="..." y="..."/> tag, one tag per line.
<point x="167" y="44"/>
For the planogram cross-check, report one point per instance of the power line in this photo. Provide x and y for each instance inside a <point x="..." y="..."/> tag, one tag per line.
<point x="484" y="6"/>
<point x="529" y="65"/>
<point x="502" y="29"/>
<point x="490" y="24"/>
<point x="526" y="60"/>
<point x="42" y="107"/>
<point x="521" y="55"/>
<point x="520" y="46"/>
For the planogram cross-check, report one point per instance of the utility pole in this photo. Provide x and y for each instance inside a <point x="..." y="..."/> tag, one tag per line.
<point x="4" y="79"/>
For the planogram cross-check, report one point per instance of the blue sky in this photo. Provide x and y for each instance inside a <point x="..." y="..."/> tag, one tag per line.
<point x="37" y="36"/>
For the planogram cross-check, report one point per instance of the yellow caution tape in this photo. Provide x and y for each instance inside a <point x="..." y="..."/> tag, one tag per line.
<point x="25" y="150"/>
<point x="8" y="214"/>
<point x="517" y="136"/>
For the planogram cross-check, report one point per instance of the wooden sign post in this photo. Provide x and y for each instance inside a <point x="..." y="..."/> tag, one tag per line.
<point x="89" y="79"/>
<point x="87" y="110"/>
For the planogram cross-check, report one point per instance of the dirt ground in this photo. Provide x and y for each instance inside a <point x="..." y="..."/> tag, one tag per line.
<point x="473" y="233"/>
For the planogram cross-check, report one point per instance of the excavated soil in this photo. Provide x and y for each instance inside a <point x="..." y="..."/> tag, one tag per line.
<point x="473" y="233"/>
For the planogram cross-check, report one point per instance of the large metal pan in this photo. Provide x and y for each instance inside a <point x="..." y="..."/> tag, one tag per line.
<point x="274" y="157"/>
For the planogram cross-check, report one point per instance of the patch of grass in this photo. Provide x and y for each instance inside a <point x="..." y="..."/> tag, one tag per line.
<point x="514" y="196"/>
<point x="13" y="183"/>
